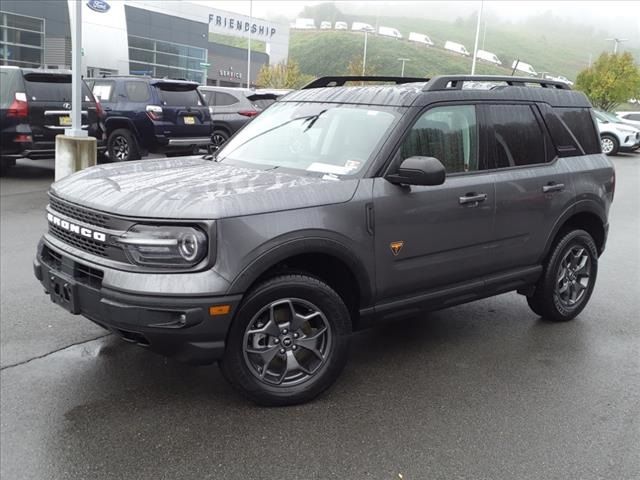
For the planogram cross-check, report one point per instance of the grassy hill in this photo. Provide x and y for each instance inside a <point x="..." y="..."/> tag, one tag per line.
<point x="548" y="43"/>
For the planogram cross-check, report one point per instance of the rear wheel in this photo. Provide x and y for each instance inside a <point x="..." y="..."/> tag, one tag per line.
<point x="288" y="342"/>
<point x="610" y="144"/>
<point x="122" y="146"/>
<point x="568" y="278"/>
<point x="219" y="138"/>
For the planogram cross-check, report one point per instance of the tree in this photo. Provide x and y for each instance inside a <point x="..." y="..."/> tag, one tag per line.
<point x="282" y="75"/>
<point x="611" y="80"/>
<point x="355" y="67"/>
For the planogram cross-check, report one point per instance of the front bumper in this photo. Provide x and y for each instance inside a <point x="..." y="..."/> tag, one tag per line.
<point x="175" y="326"/>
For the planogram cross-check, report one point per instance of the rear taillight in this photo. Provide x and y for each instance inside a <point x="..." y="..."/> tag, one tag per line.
<point x="19" y="108"/>
<point x="99" y="110"/>
<point x="248" y="113"/>
<point x="154" y="112"/>
<point x="22" y="138"/>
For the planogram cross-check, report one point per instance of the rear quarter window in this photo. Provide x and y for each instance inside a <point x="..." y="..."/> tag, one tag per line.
<point x="179" y="98"/>
<point x="224" y="99"/>
<point x="137" y="91"/>
<point x="580" y="122"/>
<point x="10" y="83"/>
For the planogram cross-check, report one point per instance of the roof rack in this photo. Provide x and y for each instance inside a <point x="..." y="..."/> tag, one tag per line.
<point x="455" y="82"/>
<point x="340" y="80"/>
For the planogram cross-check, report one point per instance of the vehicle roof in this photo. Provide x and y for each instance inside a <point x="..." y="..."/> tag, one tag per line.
<point x="143" y="77"/>
<point x="49" y="71"/>
<point x="409" y="94"/>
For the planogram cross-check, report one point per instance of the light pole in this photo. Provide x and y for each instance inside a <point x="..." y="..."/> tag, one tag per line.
<point x="249" y="45"/>
<point x="403" y="60"/>
<point x="616" y="42"/>
<point x="364" y="54"/>
<point x="76" y="75"/>
<point x="475" y="48"/>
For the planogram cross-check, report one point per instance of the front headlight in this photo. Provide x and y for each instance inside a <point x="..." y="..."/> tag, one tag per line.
<point x="164" y="246"/>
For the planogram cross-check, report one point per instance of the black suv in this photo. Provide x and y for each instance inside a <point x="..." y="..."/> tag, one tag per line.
<point x="232" y="108"/>
<point x="35" y="106"/>
<point x="334" y="208"/>
<point x="152" y="115"/>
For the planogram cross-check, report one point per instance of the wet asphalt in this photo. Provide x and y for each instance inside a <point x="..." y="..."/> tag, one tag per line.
<point x="480" y="391"/>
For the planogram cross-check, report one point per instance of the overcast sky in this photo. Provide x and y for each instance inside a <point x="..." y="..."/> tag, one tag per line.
<point x="611" y="15"/>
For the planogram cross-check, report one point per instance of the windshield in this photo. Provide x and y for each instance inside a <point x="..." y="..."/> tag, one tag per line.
<point x="325" y="138"/>
<point x="606" y="117"/>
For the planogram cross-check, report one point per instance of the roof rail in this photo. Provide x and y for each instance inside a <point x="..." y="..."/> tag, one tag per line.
<point x="340" y="80"/>
<point x="455" y="82"/>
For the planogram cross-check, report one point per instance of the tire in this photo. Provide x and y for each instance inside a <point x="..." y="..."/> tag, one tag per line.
<point x="219" y="138"/>
<point x="610" y="144"/>
<point x="122" y="146"/>
<point x="570" y="271"/>
<point x="6" y="164"/>
<point x="315" y="348"/>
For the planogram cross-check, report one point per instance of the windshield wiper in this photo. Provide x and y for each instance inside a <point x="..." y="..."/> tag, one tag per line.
<point x="313" y="119"/>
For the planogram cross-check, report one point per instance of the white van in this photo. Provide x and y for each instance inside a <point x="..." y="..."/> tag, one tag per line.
<point x="488" y="57"/>
<point x="524" y="67"/>
<point x="389" y="32"/>
<point x="420" y="38"/>
<point x="342" y="26"/>
<point x="304" y="24"/>
<point x="362" y="27"/>
<point x="325" y="25"/>
<point x="456" y="47"/>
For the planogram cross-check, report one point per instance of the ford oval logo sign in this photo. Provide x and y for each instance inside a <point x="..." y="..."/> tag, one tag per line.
<point x="98" y="6"/>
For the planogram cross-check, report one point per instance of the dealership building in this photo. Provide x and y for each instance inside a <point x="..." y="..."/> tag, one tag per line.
<point x="156" y="38"/>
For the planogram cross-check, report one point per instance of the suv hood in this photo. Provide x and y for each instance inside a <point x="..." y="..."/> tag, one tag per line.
<point x="191" y="187"/>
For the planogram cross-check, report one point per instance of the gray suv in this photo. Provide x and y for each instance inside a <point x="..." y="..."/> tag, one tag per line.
<point x="337" y="207"/>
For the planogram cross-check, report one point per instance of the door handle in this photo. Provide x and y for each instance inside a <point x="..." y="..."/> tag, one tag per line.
<point x="553" y="187"/>
<point x="472" y="198"/>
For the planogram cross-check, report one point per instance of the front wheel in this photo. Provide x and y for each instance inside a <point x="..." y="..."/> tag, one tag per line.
<point x="288" y="342"/>
<point x="568" y="278"/>
<point x="610" y="144"/>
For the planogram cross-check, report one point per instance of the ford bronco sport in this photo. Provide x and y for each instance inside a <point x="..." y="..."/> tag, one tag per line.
<point x="336" y="207"/>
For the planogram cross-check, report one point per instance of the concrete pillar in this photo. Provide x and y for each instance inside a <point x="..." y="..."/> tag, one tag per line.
<point x="74" y="154"/>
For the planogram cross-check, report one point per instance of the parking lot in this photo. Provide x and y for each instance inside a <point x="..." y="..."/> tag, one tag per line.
<point x="483" y="390"/>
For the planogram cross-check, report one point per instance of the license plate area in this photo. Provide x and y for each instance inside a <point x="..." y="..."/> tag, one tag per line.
<point x="64" y="120"/>
<point x="189" y="120"/>
<point x="63" y="291"/>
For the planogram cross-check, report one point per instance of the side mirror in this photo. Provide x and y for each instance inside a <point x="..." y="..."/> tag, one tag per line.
<point x="418" y="171"/>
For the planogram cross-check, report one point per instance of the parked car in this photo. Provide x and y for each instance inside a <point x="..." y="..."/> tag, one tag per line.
<point x="325" y="26"/>
<point x="559" y="78"/>
<point x="389" y="32"/>
<point x="362" y="27"/>
<point x="488" y="57"/>
<point x="456" y="47"/>
<point x="524" y="67"/>
<point x="630" y="118"/>
<point x="616" y="136"/>
<point x="304" y="24"/>
<point x="35" y="106"/>
<point x="336" y="208"/>
<point x="341" y="26"/>
<point x="231" y="108"/>
<point x="420" y="38"/>
<point x="156" y="115"/>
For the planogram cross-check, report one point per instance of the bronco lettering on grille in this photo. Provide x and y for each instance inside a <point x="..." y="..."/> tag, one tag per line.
<point x="77" y="229"/>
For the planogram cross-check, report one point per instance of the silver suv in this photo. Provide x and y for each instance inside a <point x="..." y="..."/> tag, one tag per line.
<point x="336" y="208"/>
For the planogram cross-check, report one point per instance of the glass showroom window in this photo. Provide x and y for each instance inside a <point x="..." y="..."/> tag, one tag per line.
<point x="163" y="59"/>
<point x="21" y="40"/>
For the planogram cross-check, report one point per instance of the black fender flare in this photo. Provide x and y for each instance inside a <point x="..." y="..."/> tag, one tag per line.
<point x="309" y="244"/>
<point x="581" y="206"/>
<point x="130" y="125"/>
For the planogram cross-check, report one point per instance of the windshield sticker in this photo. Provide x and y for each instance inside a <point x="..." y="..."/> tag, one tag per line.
<point x="353" y="165"/>
<point x="328" y="168"/>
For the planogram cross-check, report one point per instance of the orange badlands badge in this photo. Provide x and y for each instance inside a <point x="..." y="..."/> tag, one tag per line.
<point x="396" y="247"/>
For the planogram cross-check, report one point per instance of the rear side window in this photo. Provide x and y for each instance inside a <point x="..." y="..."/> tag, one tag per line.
<point x="175" y="97"/>
<point x="9" y="84"/>
<point x="632" y="116"/>
<point x="51" y="88"/>
<point x="580" y="123"/>
<point x="103" y="91"/>
<point x="223" y="99"/>
<point x="137" y="91"/>
<point x="448" y="134"/>
<point x="519" y="139"/>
